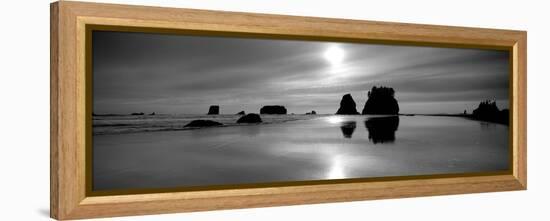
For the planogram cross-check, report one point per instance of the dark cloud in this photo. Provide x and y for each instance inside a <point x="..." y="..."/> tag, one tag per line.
<point x="185" y="74"/>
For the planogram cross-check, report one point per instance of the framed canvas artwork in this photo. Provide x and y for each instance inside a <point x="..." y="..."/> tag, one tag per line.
<point x="158" y="110"/>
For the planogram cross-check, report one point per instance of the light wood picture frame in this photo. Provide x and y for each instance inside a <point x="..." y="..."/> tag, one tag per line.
<point x="70" y="113"/>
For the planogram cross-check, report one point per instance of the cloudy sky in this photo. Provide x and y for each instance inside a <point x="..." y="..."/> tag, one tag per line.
<point x="137" y="72"/>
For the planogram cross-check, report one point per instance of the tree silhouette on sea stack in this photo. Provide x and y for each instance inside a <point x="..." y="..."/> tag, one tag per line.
<point x="488" y="111"/>
<point x="381" y="101"/>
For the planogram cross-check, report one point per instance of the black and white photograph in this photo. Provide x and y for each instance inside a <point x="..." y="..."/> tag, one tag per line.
<point x="176" y="110"/>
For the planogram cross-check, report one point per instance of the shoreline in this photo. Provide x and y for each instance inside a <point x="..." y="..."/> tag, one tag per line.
<point x="146" y="129"/>
<point x="183" y="128"/>
<point x="467" y="116"/>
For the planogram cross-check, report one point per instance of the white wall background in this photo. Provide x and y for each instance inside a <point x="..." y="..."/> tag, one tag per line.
<point x="24" y="109"/>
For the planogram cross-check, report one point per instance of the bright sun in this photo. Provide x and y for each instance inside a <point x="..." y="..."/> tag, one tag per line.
<point x="334" y="55"/>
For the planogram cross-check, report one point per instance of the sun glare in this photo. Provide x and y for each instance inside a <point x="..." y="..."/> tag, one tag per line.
<point x="335" y="119"/>
<point x="334" y="55"/>
<point x="336" y="170"/>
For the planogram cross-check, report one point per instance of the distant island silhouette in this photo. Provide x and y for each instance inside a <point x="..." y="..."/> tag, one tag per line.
<point x="488" y="111"/>
<point x="273" y="109"/>
<point x="214" y="110"/>
<point x="311" y="113"/>
<point x="381" y="100"/>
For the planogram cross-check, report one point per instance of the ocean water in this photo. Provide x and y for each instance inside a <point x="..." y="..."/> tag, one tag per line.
<point x="155" y="152"/>
<point x="124" y="124"/>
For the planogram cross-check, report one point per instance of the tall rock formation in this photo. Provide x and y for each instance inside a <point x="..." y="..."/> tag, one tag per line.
<point x="347" y="106"/>
<point x="381" y="101"/>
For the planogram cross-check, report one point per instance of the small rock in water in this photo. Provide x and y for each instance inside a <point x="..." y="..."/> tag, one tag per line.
<point x="250" y="118"/>
<point x="203" y="123"/>
<point x="311" y="113"/>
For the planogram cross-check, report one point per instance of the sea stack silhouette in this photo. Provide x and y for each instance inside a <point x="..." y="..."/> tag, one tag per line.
<point x="381" y="101"/>
<point x="214" y="110"/>
<point x="347" y="106"/>
<point x="273" y="109"/>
